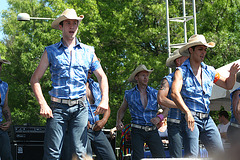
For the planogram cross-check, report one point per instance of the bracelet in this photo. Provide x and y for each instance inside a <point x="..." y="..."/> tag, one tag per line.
<point x="160" y="116"/>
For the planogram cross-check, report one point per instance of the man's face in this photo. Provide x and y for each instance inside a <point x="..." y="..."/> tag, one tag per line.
<point x="220" y="119"/>
<point x="198" y="54"/>
<point x="69" y="28"/>
<point x="142" y="77"/>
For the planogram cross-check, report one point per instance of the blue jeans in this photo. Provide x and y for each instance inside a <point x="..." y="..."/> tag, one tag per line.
<point x="71" y="118"/>
<point x="175" y="139"/>
<point x="152" y="139"/>
<point x="207" y="131"/>
<point x="99" y="144"/>
<point x="5" y="148"/>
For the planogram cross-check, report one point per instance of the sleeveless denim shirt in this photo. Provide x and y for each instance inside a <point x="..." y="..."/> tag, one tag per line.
<point x="3" y="91"/>
<point x="69" y="71"/>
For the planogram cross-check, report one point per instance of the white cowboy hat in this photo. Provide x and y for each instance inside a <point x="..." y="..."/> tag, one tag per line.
<point x="195" y="40"/>
<point x="170" y="62"/>
<point x="140" y="68"/>
<point x="67" y="14"/>
<point x="4" y="61"/>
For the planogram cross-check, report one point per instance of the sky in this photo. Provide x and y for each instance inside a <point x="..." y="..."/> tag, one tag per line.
<point x="3" y="6"/>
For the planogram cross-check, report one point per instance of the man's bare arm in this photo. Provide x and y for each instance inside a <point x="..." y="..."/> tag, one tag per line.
<point x="177" y="98"/>
<point x="163" y="93"/>
<point x="103" y="84"/>
<point x="120" y="114"/>
<point x="7" y="114"/>
<point x="45" y="110"/>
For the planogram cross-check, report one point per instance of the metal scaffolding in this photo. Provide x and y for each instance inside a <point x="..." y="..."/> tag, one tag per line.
<point x="184" y="19"/>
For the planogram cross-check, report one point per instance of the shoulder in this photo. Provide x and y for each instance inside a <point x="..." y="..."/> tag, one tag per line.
<point x="85" y="46"/>
<point x="152" y="90"/>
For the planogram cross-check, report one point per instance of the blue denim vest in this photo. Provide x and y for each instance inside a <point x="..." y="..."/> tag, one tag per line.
<point x="3" y="91"/>
<point x="69" y="71"/>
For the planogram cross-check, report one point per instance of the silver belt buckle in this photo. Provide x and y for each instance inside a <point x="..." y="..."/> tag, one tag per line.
<point x="70" y="102"/>
<point x="148" y="128"/>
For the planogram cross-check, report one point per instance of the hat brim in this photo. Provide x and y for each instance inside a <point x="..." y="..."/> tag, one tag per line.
<point x="184" y="50"/>
<point x="55" y="23"/>
<point x="135" y="72"/>
<point x="170" y="61"/>
<point x="5" y="61"/>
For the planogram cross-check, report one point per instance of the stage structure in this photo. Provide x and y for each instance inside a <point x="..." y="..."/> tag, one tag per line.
<point x="184" y="19"/>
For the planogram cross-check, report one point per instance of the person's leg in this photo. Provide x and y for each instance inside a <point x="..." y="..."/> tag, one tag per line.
<point x="155" y="144"/>
<point x="66" y="152"/>
<point x="55" y="130"/>
<point x="190" y="138"/>
<point x="5" y="148"/>
<point x="78" y="128"/>
<point x="90" y="138"/>
<point x="211" y="137"/>
<point x="101" y="147"/>
<point x="137" y="140"/>
<point x="175" y="140"/>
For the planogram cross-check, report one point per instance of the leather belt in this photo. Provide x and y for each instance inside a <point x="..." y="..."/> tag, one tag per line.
<point x="69" y="102"/>
<point x="200" y="114"/>
<point x="173" y="120"/>
<point x="235" y="125"/>
<point x="145" y="128"/>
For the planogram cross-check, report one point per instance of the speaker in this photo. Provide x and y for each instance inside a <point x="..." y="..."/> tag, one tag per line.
<point x="27" y="151"/>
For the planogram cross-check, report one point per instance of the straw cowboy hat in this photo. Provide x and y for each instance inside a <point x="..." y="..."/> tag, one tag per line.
<point x="4" y="61"/>
<point x="67" y="14"/>
<point x="140" y="68"/>
<point x="170" y="62"/>
<point x="195" y="40"/>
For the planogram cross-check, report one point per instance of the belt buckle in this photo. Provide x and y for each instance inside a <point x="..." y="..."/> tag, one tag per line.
<point x="148" y="128"/>
<point x="70" y="102"/>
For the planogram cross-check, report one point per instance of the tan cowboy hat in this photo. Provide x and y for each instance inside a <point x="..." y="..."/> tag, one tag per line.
<point x="195" y="40"/>
<point x="67" y="14"/>
<point x="140" y="68"/>
<point x="170" y="62"/>
<point x="4" y="61"/>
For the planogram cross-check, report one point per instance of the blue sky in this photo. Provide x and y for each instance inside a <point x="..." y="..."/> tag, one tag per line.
<point x="3" y="6"/>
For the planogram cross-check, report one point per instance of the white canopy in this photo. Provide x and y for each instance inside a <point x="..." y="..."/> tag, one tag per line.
<point x="221" y="97"/>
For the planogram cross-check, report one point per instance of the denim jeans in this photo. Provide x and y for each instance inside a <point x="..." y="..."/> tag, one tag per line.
<point x="99" y="144"/>
<point x="152" y="139"/>
<point x="72" y="118"/>
<point x="175" y="139"/>
<point x="5" y="148"/>
<point x="207" y="131"/>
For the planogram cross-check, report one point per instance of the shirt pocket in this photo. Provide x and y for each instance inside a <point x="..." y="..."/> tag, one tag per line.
<point x="60" y="67"/>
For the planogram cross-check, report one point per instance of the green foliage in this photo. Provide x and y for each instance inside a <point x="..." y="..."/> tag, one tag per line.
<point x="124" y="34"/>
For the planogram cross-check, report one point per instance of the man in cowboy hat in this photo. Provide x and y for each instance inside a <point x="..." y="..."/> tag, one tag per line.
<point x="143" y="106"/>
<point x="174" y="114"/>
<point x="5" y="148"/>
<point x="69" y="62"/>
<point x="191" y="90"/>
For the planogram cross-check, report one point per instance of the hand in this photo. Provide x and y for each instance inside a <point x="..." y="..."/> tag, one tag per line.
<point x="46" y="111"/>
<point x="99" y="125"/>
<point x="5" y="125"/>
<point x="155" y="120"/>
<point x="113" y="132"/>
<point x="190" y="121"/>
<point x="119" y="125"/>
<point x="234" y="68"/>
<point x="100" y="110"/>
